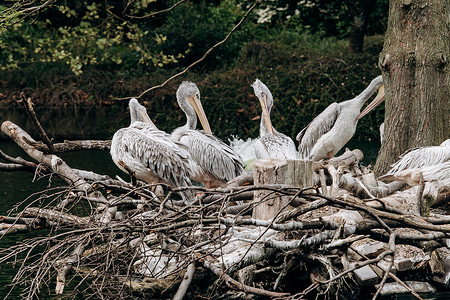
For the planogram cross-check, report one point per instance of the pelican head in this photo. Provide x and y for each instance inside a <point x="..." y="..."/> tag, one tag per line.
<point x="265" y="98"/>
<point x="138" y="112"/>
<point x="378" y="81"/>
<point x="188" y="97"/>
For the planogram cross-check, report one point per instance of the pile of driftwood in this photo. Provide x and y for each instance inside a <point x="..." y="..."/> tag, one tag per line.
<point x="341" y="235"/>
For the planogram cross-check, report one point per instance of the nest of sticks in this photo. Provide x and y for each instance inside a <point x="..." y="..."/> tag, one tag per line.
<point x="108" y="238"/>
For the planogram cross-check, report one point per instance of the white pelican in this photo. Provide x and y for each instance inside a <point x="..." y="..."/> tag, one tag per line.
<point x="427" y="173"/>
<point x="214" y="162"/>
<point x="334" y="127"/>
<point x="150" y="153"/>
<point x="435" y="157"/>
<point x="271" y="143"/>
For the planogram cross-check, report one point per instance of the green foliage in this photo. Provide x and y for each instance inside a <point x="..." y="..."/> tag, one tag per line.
<point x="303" y="80"/>
<point x="88" y="53"/>
<point x="324" y="18"/>
<point x="203" y="27"/>
<point x="85" y="33"/>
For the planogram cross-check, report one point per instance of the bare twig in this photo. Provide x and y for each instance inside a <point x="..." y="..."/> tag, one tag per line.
<point x="30" y="111"/>
<point x="203" y="57"/>
<point x="158" y="12"/>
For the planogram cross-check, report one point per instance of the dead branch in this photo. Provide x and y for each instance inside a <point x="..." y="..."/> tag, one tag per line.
<point x="207" y="262"/>
<point x="65" y="266"/>
<point x="204" y="55"/>
<point x="134" y="242"/>
<point x="184" y="285"/>
<point x="30" y="111"/>
<point x="158" y="12"/>
<point x="19" y="161"/>
<point x="68" y="146"/>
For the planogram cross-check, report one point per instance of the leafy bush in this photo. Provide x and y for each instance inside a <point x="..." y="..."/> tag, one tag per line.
<point x="304" y="71"/>
<point x="85" y="33"/>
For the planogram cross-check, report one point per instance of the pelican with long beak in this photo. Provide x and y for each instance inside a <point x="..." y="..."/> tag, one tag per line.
<point x="335" y="126"/>
<point x="214" y="163"/>
<point x="149" y="153"/>
<point x="271" y="143"/>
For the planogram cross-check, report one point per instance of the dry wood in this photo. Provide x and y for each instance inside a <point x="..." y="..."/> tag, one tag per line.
<point x="55" y="216"/>
<point x="52" y="161"/>
<point x="19" y="161"/>
<point x="208" y="263"/>
<point x="30" y="111"/>
<point x="68" y="146"/>
<point x="12" y="167"/>
<point x="184" y="285"/>
<point x="65" y="266"/>
<point x="133" y="239"/>
<point x="298" y="173"/>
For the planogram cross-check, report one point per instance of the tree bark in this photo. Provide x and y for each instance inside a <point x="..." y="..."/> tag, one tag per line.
<point x="416" y="73"/>
<point x="294" y="172"/>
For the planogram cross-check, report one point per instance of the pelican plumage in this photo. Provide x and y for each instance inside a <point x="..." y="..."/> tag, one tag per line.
<point x="334" y="127"/>
<point x="418" y="158"/>
<point x="271" y="143"/>
<point x="413" y="176"/>
<point x="214" y="163"/>
<point x="150" y="153"/>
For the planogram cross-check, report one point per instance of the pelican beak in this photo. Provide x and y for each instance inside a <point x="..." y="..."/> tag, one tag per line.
<point x="197" y="105"/>
<point x="263" y="101"/>
<point x="378" y="99"/>
<point x="145" y="118"/>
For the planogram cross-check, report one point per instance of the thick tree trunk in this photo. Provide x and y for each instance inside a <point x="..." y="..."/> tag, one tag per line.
<point x="415" y="65"/>
<point x="361" y="12"/>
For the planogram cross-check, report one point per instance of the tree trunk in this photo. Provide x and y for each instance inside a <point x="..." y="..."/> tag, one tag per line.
<point x="361" y="12"/>
<point x="416" y="74"/>
<point x="293" y="172"/>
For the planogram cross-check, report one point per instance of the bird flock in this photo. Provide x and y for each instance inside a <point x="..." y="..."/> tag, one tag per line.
<point x="189" y="154"/>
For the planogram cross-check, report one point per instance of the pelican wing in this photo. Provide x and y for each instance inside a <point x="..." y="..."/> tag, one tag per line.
<point x="320" y="125"/>
<point x="157" y="152"/>
<point x="420" y="157"/>
<point x="213" y="155"/>
<point x="436" y="172"/>
<point x="275" y="146"/>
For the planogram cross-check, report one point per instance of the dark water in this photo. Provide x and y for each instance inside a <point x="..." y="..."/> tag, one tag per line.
<point x="17" y="186"/>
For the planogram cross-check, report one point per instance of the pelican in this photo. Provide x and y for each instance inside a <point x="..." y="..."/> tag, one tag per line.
<point x="334" y="127"/>
<point x="150" y="153"/>
<point x="214" y="163"/>
<point x="271" y="143"/>
<point x="413" y="176"/>
<point x="418" y="158"/>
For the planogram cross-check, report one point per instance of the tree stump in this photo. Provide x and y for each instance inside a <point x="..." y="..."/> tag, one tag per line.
<point x="297" y="173"/>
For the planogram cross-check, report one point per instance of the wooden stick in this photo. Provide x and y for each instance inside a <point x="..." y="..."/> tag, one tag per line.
<point x="30" y="111"/>
<point x="68" y="146"/>
<point x="18" y="160"/>
<point x="184" y="285"/>
<point x="207" y="262"/>
<point x="64" y="266"/>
